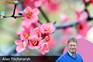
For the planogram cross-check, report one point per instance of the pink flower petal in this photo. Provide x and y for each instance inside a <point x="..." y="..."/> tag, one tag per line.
<point x="27" y="9"/>
<point x="44" y="48"/>
<point x="36" y="11"/>
<point x="38" y="3"/>
<point x="17" y="42"/>
<point x="20" y="48"/>
<point x="34" y="42"/>
<point x="47" y="28"/>
<point x="34" y="19"/>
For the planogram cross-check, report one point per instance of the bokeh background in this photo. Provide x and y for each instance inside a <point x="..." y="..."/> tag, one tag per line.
<point x="74" y="18"/>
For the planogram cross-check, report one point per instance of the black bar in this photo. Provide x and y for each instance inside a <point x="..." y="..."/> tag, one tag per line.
<point x="28" y="58"/>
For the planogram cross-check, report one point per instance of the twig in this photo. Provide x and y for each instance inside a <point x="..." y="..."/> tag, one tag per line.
<point x="44" y="15"/>
<point x="14" y="10"/>
<point x="71" y="24"/>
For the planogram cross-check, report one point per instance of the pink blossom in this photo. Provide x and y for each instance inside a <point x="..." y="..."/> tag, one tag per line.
<point x="47" y="28"/>
<point x="25" y="34"/>
<point x="32" y="3"/>
<point x="37" y="31"/>
<point x="64" y="18"/>
<point x="21" y="45"/>
<point x="81" y="15"/>
<point x="84" y="1"/>
<point x="91" y="1"/>
<point x="44" y="48"/>
<point x="83" y="28"/>
<point x="50" y="40"/>
<point x="47" y="37"/>
<point x="34" y="42"/>
<point x="34" y="25"/>
<point x="26" y="24"/>
<point x="31" y="14"/>
<point x="68" y="30"/>
<point x="51" y="5"/>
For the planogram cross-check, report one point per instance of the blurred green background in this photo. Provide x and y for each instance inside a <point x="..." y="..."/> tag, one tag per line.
<point x="10" y="26"/>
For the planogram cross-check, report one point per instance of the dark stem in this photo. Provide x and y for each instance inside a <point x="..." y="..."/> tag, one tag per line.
<point x="39" y="22"/>
<point x="11" y="16"/>
<point x="86" y="4"/>
<point x="44" y="15"/>
<point x="62" y="26"/>
<point x="14" y="10"/>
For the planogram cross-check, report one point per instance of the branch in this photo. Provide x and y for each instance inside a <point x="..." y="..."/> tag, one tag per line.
<point x="75" y="23"/>
<point x="44" y="15"/>
<point x="11" y="16"/>
<point x="14" y="10"/>
<point x="15" y="6"/>
<point x="66" y="25"/>
<point x="71" y="24"/>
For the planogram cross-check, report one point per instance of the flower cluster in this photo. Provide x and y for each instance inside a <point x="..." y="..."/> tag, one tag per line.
<point x="36" y="38"/>
<point x="49" y="5"/>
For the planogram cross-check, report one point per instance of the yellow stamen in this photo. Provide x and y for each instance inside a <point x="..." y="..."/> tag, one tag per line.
<point x="47" y="29"/>
<point x="26" y="35"/>
<point x="47" y="38"/>
<point x="35" y="42"/>
<point x="29" y="15"/>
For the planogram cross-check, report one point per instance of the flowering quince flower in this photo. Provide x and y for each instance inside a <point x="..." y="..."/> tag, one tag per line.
<point x="91" y="1"/>
<point x="26" y="24"/>
<point x="37" y="31"/>
<point x="82" y="29"/>
<point x="32" y="3"/>
<point x="47" y="28"/>
<point x="81" y="15"/>
<point x="31" y="14"/>
<point x="38" y="3"/>
<point x="84" y="1"/>
<point x="51" y="5"/>
<point x="68" y="30"/>
<point x="64" y="18"/>
<point x="34" y="42"/>
<point x="47" y="37"/>
<point x="25" y="34"/>
<point x="44" y="48"/>
<point x="21" y="45"/>
<point x="34" y="25"/>
<point x="50" y="40"/>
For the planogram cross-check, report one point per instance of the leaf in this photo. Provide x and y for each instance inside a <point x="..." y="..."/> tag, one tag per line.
<point x="10" y="2"/>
